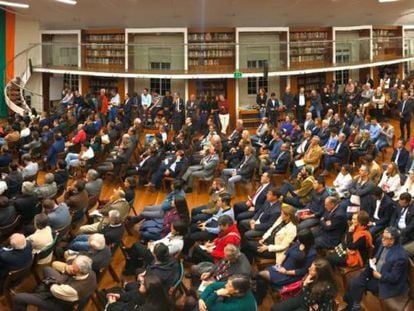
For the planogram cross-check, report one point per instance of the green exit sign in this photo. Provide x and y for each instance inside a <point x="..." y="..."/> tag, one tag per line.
<point x="237" y="74"/>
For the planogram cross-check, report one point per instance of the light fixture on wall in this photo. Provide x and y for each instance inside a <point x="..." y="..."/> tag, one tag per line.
<point x="14" y="4"/>
<point x="71" y="2"/>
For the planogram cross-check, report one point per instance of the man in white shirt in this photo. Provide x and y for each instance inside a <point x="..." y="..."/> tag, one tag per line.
<point x="300" y="101"/>
<point x="30" y="168"/>
<point x="114" y="105"/>
<point x="75" y="159"/>
<point x="343" y="181"/>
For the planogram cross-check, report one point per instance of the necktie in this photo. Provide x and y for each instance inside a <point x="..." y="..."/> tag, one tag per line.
<point x="337" y="147"/>
<point x="244" y="162"/>
<point x="397" y="156"/>
<point x="279" y="156"/>
<point x="403" y="106"/>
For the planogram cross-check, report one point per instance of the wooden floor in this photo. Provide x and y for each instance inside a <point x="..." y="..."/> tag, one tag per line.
<point x="145" y="198"/>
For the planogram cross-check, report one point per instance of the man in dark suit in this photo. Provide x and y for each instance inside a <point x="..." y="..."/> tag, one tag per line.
<point x="309" y="123"/>
<point x="192" y="109"/>
<point x="400" y="156"/>
<point x="390" y="276"/>
<point x="403" y="220"/>
<point x="234" y="138"/>
<point x="405" y="108"/>
<point x="174" y="167"/>
<point x="410" y="162"/>
<point x="264" y="216"/>
<point x="338" y="155"/>
<point x="245" y="210"/>
<point x="273" y="108"/>
<point x="243" y="171"/>
<point x="178" y="113"/>
<point x="18" y="255"/>
<point x="148" y="163"/>
<point x="332" y="225"/>
<point x="300" y="104"/>
<point x="26" y="203"/>
<point x="381" y="215"/>
<point x="281" y="164"/>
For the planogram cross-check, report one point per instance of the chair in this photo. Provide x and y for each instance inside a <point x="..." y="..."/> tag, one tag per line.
<point x="131" y="207"/>
<point x="41" y="255"/>
<point x="262" y="263"/>
<point x="13" y="279"/>
<point x="111" y="270"/>
<point x="63" y="232"/>
<point x="8" y="230"/>
<point x="166" y="180"/>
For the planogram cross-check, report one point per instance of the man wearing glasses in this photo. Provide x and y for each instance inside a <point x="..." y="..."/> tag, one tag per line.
<point x="386" y="275"/>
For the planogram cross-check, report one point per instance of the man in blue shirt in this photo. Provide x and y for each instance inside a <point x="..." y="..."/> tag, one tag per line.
<point x="374" y="130"/>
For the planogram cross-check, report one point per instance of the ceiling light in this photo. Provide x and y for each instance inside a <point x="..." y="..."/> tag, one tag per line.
<point x="14" y="4"/>
<point x="383" y="1"/>
<point x="71" y="2"/>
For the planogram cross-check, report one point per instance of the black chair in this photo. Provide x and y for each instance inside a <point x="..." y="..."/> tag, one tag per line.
<point x="8" y="230"/>
<point x="63" y="232"/>
<point x="13" y="279"/>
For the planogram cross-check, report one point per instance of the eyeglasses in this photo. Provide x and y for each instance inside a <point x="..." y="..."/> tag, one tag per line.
<point x="386" y="237"/>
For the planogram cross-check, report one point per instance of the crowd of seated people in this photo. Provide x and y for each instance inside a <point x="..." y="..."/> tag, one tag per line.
<point x="293" y="223"/>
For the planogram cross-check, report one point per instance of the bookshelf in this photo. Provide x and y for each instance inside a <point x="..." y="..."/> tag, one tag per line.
<point x="211" y="49"/>
<point x="387" y="42"/>
<point x="92" y="85"/>
<point x="310" y="47"/>
<point x="311" y="81"/>
<point x="210" y="88"/>
<point x="103" y="48"/>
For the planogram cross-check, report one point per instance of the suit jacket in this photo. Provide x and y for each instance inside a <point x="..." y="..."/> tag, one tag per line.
<point x="364" y="192"/>
<point x="14" y="259"/>
<point x="408" y="108"/>
<point x="180" y="166"/>
<point x="394" y="272"/>
<point x="267" y="214"/>
<point x="282" y="162"/>
<point x="309" y="126"/>
<point x="26" y="206"/>
<point x="210" y="164"/>
<point x="402" y="159"/>
<point x="77" y="201"/>
<point x="261" y="199"/>
<point x="283" y="238"/>
<point x="246" y="171"/>
<point x="305" y="189"/>
<point x="407" y="234"/>
<point x="313" y="156"/>
<point x="343" y="152"/>
<point x="324" y="135"/>
<point x="333" y="230"/>
<point x="385" y="211"/>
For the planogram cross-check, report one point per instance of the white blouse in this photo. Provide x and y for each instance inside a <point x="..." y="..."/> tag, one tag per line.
<point x="342" y="183"/>
<point x="390" y="183"/>
<point x="407" y="187"/>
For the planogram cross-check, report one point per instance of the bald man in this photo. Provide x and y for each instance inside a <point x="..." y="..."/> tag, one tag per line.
<point x="18" y="255"/>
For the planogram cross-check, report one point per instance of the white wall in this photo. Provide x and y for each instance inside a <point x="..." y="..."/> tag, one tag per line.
<point x="28" y="33"/>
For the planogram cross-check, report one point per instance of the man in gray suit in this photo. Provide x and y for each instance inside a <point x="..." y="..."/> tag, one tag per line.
<point x="204" y="170"/>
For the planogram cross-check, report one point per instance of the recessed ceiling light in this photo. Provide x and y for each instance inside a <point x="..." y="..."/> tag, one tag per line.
<point x="71" y="2"/>
<point x="14" y="4"/>
<point x="383" y="1"/>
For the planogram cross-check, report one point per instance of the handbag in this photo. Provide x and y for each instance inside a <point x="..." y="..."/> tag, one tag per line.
<point x="290" y="290"/>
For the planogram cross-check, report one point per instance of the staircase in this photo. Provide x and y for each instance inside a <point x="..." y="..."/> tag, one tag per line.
<point x="13" y="93"/>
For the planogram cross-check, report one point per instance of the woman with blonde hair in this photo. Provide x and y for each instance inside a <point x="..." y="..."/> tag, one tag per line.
<point x="390" y="182"/>
<point x="276" y="239"/>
